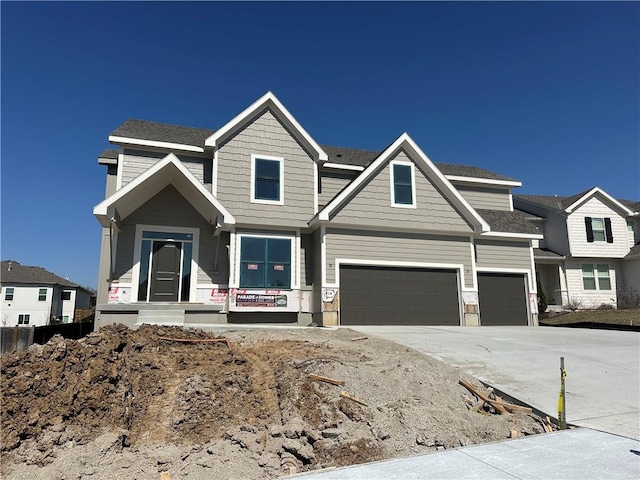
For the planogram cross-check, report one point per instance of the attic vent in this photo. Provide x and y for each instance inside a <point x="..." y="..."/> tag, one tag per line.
<point x="339" y="155"/>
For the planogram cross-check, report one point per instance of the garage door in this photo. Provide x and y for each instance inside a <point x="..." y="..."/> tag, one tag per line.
<point x="503" y="299"/>
<point x="398" y="296"/>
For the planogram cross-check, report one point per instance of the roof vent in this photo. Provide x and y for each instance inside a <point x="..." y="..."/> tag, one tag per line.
<point x="10" y="265"/>
<point x="339" y="155"/>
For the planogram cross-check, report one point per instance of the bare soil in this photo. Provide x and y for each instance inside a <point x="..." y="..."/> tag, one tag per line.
<point x="127" y="404"/>
<point x="630" y="317"/>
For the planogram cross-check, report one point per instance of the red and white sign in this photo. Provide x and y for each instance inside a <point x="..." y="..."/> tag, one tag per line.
<point x="219" y="295"/>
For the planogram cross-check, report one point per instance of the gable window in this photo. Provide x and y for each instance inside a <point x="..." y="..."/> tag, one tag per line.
<point x="265" y="262"/>
<point x="42" y="295"/>
<point x="267" y="184"/>
<point x="403" y="191"/>
<point x="23" y="319"/>
<point x="66" y="295"/>
<point x="598" y="229"/>
<point x="631" y="228"/>
<point x="596" y="276"/>
<point x="8" y="293"/>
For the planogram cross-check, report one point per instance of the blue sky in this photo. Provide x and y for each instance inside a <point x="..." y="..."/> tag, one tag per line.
<point x="543" y="92"/>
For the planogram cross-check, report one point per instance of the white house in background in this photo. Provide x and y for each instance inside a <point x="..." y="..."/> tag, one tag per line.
<point x="589" y="254"/>
<point x="35" y="296"/>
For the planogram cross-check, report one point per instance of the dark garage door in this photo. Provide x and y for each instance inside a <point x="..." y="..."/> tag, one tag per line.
<point x="503" y="299"/>
<point x="398" y="296"/>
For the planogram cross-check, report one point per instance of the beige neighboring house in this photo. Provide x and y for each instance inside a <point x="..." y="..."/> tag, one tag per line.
<point x="33" y="296"/>
<point x="590" y="253"/>
<point x="258" y="222"/>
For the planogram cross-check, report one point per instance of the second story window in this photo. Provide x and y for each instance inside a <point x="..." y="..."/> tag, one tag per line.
<point x="8" y="293"/>
<point x="267" y="183"/>
<point x="598" y="229"/>
<point x="66" y="295"/>
<point x="42" y="295"/>
<point x="403" y="192"/>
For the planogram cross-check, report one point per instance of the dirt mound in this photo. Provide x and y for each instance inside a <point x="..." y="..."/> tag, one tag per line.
<point x="130" y="403"/>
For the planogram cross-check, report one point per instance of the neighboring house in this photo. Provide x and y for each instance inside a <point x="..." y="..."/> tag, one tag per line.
<point x="35" y="296"/>
<point x="257" y="222"/>
<point x="589" y="253"/>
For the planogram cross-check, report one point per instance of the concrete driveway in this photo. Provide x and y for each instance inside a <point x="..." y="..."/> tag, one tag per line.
<point x="603" y="367"/>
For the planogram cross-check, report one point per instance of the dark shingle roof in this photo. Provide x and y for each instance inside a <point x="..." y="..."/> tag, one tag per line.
<point x="509" y="222"/>
<point x="630" y="204"/>
<point x="109" y="153"/>
<point x="546" y="254"/>
<point x="635" y="251"/>
<point x="162" y="132"/>
<point x="349" y="156"/>
<point x="13" y="273"/>
<point x="470" y="171"/>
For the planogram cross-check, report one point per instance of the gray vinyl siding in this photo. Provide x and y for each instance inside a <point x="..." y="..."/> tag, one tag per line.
<point x="169" y="208"/>
<point x="112" y="175"/>
<point x="136" y="162"/>
<point x="371" y="206"/>
<point x="317" y="272"/>
<point x="397" y="247"/>
<point x="486" y="198"/>
<point x="266" y="136"/>
<point x="503" y="254"/>
<point x="330" y="184"/>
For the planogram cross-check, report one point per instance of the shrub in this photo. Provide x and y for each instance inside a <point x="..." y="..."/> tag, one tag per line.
<point x="574" y="304"/>
<point x="628" y="298"/>
<point x="542" y="299"/>
<point x="605" y="306"/>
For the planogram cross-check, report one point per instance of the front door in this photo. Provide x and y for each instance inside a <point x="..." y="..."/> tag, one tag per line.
<point x="165" y="271"/>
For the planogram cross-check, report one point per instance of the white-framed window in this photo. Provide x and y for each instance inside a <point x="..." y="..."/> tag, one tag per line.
<point x="66" y="295"/>
<point x="631" y="228"/>
<point x="403" y="185"/>
<point x="42" y="295"/>
<point x="23" y="319"/>
<point x="596" y="276"/>
<point x="8" y="293"/>
<point x="266" y="262"/>
<point x="598" y="229"/>
<point x="267" y="179"/>
<point x="65" y="319"/>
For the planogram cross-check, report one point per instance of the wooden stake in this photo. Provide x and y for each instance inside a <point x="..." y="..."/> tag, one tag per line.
<point x="353" y="399"/>
<point x="320" y="378"/>
<point x="482" y="396"/>
<point x="358" y="338"/>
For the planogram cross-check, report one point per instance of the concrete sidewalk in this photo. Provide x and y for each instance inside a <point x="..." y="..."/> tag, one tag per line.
<point x="603" y="367"/>
<point x="570" y="454"/>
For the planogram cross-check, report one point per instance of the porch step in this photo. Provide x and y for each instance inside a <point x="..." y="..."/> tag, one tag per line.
<point x="160" y="317"/>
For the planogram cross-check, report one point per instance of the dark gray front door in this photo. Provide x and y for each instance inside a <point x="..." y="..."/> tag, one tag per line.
<point x="398" y="296"/>
<point x="165" y="272"/>
<point x="503" y="299"/>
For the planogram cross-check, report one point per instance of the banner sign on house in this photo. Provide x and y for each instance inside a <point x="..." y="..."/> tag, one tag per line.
<point x="119" y="295"/>
<point x="243" y="300"/>
<point x="260" y="300"/>
<point x="218" y="295"/>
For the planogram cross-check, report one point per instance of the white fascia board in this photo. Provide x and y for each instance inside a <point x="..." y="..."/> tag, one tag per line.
<point x="534" y="236"/>
<point x="268" y="100"/>
<point x="107" y="161"/>
<point x="339" y="166"/>
<point x="153" y="143"/>
<point x="483" y="181"/>
<point x="592" y="192"/>
<point x="102" y="209"/>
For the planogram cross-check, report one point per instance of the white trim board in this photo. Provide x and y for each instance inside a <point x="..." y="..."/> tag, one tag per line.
<point x="154" y="143"/>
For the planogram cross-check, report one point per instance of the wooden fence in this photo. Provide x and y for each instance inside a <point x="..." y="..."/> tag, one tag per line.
<point x="19" y="339"/>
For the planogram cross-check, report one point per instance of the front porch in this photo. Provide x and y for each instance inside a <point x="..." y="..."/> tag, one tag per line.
<point x="550" y="274"/>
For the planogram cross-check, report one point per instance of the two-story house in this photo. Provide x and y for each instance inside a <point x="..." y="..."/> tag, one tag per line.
<point x="589" y="252"/>
<point x="34" y="296"/>
<point x="257" y="222"/>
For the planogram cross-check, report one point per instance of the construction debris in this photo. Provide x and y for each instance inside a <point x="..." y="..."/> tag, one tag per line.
<point x="352" y="398"/>
<point x="500" y="406"/>
<point x="358" y="338"/>
<point x="325" y="379"/>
